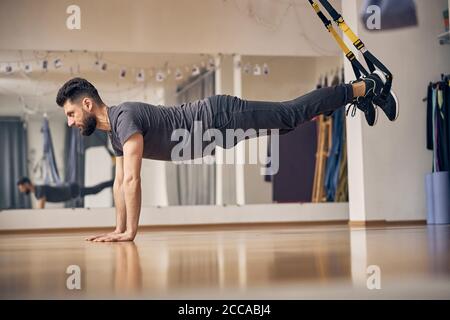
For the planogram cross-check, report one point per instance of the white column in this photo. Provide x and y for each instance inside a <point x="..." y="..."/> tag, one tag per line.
<point x="240" y="148"/>
<point x="225" y="179"/>
<point x="219" y="150"/>
<point x="95" y="174"/>
<point x="356" y="186"/>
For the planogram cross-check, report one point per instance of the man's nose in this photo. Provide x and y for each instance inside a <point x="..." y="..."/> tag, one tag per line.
<point x="70" y="122"/>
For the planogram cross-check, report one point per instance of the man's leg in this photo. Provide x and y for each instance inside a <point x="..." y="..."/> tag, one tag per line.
<point x="234" y="113"/>
<point x="95" y="189"/>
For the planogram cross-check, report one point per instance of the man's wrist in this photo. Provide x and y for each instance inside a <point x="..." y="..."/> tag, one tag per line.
<point x="120" y="230"/>
<point x="131" y="233"/>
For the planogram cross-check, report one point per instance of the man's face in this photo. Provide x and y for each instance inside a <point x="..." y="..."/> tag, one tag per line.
<point x="79" y="114"/>
<point x="24" y="188"/>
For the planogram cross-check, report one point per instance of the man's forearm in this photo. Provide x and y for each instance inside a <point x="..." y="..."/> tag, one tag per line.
<point x="121" y="212"/>
<point x="132" y="195"/>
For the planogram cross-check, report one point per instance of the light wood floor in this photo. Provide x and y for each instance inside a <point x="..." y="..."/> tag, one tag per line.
<point x="271" y="262"/>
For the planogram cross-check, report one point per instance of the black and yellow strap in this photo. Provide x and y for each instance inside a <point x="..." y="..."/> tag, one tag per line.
<point x="343" y="25"/>
<point x="358" y="68"/>
<point x="371" y="61"/>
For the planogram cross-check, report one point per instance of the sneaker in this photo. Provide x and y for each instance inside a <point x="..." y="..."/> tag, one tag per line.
<point x="366" y="106"/>
<point x="391" y="105"/>
<point x="374" y="85"/>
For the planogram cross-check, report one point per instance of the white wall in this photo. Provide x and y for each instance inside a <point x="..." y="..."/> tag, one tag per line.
<point x="169" y="26"/>
<point x="388" y="164"/>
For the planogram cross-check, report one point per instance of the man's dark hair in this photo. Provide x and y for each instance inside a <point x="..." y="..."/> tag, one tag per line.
<point x="76" y="88"/>
<point x="23" y="180"/>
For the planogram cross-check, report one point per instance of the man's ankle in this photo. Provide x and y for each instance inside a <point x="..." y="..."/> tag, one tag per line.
<point x="359" y="89"/>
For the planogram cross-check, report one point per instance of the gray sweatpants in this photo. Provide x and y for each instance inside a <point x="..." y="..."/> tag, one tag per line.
<point x="229" y="112"/>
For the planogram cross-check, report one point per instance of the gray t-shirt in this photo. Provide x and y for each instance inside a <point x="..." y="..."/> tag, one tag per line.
<point x="156" y="124"/>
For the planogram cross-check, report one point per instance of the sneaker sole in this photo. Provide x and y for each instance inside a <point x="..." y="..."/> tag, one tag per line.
<point x="376" y="114"/>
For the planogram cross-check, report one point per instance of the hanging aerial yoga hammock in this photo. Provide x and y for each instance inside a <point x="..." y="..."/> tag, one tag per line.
<point x="51" y="174"/>
<point x="74" y="170"/>
<point x="374" y="65"/>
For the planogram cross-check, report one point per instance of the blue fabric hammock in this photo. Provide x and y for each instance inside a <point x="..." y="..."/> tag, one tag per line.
<point x="51" y="174"/>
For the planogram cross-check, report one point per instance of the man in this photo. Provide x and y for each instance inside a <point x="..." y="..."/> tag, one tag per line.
<point x="138" y="130"/>
<point x="46" y="193"/>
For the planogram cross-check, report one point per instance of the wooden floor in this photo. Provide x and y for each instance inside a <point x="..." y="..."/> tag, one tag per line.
<point x="272" y="262"/>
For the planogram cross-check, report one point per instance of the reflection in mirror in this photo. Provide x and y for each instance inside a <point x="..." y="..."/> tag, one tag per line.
<point x="69" y="170"/>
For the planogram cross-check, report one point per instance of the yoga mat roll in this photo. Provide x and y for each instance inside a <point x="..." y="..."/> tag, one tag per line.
<point x="429" y="192"/>
<point x="441" y="197"/>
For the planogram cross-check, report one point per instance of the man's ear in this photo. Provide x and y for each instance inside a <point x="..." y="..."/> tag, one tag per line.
<point x="87" y="104"/>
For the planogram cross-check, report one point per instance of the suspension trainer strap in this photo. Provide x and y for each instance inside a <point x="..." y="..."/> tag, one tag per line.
<point x="339" y="20"/>
<point x="358" y="68"/>
<point x="333" y="13"/>
<point x="371" y="61"/>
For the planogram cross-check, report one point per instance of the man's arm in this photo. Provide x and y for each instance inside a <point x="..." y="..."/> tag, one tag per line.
<point x="132" y="160"/>
<point x="41" y="203"/>
<point x="131" y="188"/>
<point x="119" y="202"/>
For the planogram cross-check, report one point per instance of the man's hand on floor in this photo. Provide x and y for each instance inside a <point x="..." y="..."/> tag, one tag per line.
<point x="103" y="235"/>
<point x="125" y="236"/>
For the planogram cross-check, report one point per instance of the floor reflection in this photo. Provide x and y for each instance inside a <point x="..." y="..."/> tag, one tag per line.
<point x="276" y="262"/>
<point x="127" y="268"/>
<point x="438" y="249"/>
<point x="240" y="260"/>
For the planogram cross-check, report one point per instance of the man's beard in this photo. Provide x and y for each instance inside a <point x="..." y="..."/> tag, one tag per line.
<point x="27" y="192"/>
<point x="89" y="125"/>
